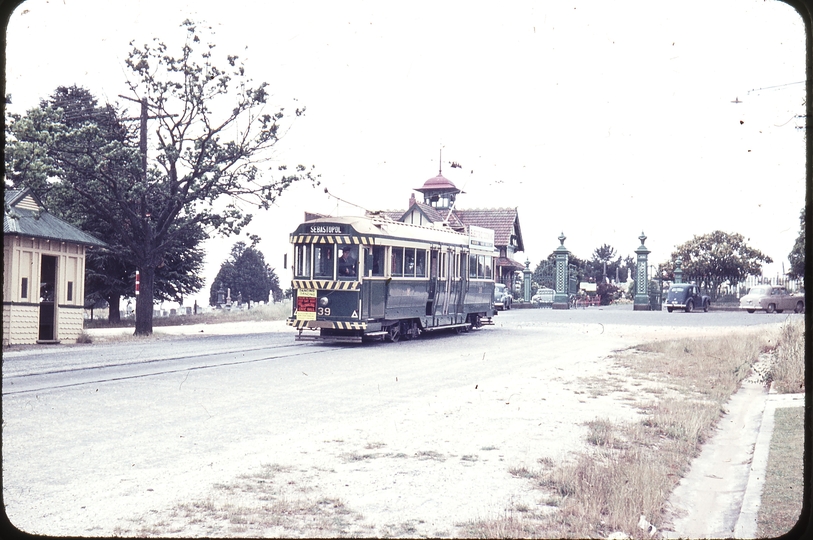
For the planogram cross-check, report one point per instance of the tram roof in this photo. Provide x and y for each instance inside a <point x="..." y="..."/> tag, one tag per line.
<point x="382" y="226"/>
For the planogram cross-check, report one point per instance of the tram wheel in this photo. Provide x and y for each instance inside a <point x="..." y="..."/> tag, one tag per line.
<point x="394" y="333"/>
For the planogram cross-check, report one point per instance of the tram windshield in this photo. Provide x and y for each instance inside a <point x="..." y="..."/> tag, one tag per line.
<point x="323" y="259"/>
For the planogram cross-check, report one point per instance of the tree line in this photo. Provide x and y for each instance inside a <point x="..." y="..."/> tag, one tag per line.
<point x="710" y="260"/>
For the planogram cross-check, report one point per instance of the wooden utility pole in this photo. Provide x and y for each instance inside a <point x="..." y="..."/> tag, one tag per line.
<point x="148" y="264"/>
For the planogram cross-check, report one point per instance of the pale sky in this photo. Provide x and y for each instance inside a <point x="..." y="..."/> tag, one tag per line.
<point x="597" y="119"/>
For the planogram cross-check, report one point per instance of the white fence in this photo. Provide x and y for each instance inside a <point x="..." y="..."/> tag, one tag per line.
<point x="779" y="280"/>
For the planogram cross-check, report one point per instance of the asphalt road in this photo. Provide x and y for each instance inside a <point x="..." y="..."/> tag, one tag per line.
<point x="96" y="437"/>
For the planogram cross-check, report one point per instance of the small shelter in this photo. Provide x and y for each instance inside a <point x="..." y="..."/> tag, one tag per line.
<point x="43" y="273"/>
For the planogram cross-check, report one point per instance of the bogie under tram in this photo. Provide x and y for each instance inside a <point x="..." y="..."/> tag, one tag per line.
<point x="359" y="278"/>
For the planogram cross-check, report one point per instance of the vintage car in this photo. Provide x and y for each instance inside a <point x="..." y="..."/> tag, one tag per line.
<point x="772" y="299"/>
<point x="686" y="296"/>
<point x="543" y="297"/>
<point x="502" y="297"/>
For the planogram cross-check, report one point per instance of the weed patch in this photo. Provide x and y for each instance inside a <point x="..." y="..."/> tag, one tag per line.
<point x="255" y="505"/>
<point x="787" y="372"/>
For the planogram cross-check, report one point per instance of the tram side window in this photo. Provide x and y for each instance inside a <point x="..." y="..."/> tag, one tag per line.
<point x="481" y="263"/>
<point x="463" y="260"/>
<point x="302" y="255"/>
<point x="323" y="261"/>
<point x="488" y="267"/>
<point x="348" y="261"/>
<point x="420" y="263"/>
<point x="443" y="267"/>
<point x="409" y="262"/>
<point x="377" y="267"/>
<point x="398" y="261"/>
<point x="472" y="266"/>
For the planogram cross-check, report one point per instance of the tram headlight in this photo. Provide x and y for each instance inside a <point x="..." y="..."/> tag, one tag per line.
<point x="323" y="301"/>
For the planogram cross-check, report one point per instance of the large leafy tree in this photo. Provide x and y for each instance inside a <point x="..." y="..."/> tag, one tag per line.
<point x="212" y="131"/>
<point x="246" y="273"/>
<point x="110" y="273"/>
<point x="712" y="259"/>
<point x="797" y="256"/>
<point x="605" y="259"/>
<point x="545" y="272"/>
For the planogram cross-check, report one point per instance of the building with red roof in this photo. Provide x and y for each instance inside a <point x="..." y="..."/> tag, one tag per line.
<point x="438" y="206"/>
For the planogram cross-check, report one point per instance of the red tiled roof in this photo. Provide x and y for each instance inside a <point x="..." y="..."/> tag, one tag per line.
<point x="499" y="220"/>
<point x="510" y="263"/>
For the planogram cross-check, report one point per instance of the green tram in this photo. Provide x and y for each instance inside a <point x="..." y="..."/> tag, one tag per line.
<point x="360" y="278"/>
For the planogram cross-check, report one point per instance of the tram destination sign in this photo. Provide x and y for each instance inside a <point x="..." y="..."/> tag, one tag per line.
<point x="323" y="228"/>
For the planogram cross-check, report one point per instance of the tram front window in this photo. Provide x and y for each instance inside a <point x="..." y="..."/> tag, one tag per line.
<point x="348" y="261"/>
<point x="323" y="261"/>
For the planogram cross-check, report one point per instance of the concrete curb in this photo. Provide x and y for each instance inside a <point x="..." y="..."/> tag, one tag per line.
<point x="747" y="522"/>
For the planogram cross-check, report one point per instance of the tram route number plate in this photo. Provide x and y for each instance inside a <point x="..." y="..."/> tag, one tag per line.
<point x="306" y="305"/>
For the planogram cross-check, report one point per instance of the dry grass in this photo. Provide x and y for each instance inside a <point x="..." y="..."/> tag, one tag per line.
<point x="630" y="470"/>
<point x="788" y="369"/>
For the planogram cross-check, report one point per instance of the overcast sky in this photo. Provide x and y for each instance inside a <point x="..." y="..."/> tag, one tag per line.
<point x="597" y="119"/>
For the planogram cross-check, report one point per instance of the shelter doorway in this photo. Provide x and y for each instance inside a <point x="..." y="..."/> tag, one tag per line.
<point x="47" y="298"/>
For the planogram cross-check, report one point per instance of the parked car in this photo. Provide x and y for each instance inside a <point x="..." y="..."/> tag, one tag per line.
<point x="543" y="297"/>
<point x="502" y="297"/>
<point x="772" y="299"/>
<point x="686" y="296"/>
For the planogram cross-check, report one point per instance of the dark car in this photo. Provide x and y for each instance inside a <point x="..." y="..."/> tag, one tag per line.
<point x="502" y="297"/>
<point x="686" y="296"/>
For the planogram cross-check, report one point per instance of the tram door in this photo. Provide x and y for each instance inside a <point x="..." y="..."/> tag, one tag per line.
<point x="448" y="272"/>
<point x="434" y="255"/>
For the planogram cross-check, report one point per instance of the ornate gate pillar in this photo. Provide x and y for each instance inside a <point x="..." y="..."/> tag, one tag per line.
<point x="561" y="300"/>
<point x="641" y="300"/>
<point x="679" y="270"/>
<point x="526" y="281"/>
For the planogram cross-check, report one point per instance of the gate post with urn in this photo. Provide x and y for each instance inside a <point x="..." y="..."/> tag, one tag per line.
<point x="561" y="300"/>
<point x="641" y="300"/>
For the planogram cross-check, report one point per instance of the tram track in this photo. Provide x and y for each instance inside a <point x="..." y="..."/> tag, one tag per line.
<point x="99" y="374"/>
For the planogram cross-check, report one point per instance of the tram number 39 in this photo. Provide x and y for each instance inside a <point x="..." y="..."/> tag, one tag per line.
<point x="323" y="311"/>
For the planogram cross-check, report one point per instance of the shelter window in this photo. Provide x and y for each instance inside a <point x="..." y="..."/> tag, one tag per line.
<point x="323" y="260"/>
<point x="70" y="291"/>
<point x="398" y="261"/>
<point x="24" y="288"/>
<point x="302" y="258"/>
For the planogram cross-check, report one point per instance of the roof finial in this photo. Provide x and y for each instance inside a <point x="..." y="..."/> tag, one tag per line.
<point x="440" y="162"/>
